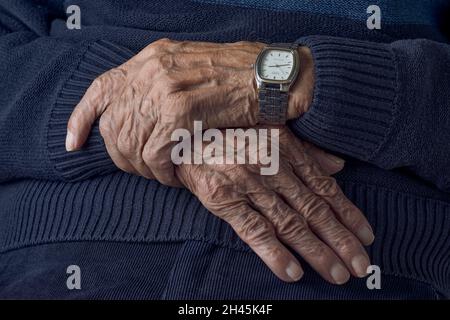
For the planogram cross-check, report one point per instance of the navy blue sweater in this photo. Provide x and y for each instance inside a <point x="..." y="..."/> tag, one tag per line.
<point x="380" y="101"/>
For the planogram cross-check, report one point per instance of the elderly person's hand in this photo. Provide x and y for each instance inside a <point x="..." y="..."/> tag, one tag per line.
<point x="166" y="86"/>
<point x="301" y="207"/>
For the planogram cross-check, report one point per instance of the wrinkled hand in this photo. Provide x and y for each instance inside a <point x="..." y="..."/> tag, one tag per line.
<point x="166" y="86"/>
<point x="301" y="207"/>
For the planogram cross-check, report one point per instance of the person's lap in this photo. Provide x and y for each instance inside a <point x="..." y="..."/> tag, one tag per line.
<point x="172" y="270"/>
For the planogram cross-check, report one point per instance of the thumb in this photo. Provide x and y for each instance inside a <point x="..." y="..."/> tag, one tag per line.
<point x="90" y="107"/>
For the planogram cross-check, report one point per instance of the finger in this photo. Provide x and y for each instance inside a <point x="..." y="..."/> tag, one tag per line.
<point x="259" y="234"/>
<point x="121" y="162"/>
<point x="157" y="156"/>
<point x="110" y="138"/>
<point x="328" y="189"/>
<point x="322" y="221"/>
<point x="130" y="143"/>
<point x="330" y="164"/>
<point x="292" y="229"/>
<point x="91" y="106"/>
<point x="343" y="242"/>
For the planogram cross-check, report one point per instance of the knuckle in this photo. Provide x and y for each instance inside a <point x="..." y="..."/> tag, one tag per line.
<point x="324" y="186"/>
<point x="313" y="208"/>
<point x="352" y="216"/>
<point x="289" y="187"/>
<point x="345" y="243"/>
<point x="276" y="210"/>
<point x="273" y="252"/>
<point x="321" y="217"/>
<point x="254" y="229"/>
<point x="293" y="229"/>
<point x="317" y="250"/>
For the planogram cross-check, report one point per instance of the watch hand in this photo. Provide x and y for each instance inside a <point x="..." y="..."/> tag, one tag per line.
<point x="279" y="65"/>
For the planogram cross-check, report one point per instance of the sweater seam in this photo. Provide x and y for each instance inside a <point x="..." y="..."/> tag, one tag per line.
<point x="395" y="109"/>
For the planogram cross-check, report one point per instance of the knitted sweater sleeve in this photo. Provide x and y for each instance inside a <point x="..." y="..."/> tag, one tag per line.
<point x="43" y="77"/>
<point x="387" y="104"/>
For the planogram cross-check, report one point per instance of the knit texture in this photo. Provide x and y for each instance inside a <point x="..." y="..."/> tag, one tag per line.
<point x="99" y="57"/>
<point x="354" y="95"/>
<point x="371" y="105"/>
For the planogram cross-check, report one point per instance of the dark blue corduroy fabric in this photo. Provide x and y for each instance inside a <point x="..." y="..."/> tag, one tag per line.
<point x="379" y="101"/>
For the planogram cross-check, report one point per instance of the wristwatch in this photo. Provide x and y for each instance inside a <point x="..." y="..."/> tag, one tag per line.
<point x="276" y="70"/>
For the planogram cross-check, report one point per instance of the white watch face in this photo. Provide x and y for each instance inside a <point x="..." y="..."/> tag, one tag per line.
<point x="276" y="65"/>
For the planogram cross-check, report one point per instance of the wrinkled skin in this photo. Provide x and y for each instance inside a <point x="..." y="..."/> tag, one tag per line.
<point x="170" y="84"/>
<point x="301" y="207"/>
<point x="166" y="86"/>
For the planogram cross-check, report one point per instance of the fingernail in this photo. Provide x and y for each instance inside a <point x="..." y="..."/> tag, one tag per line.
<point x="339" y="273"/>
<point x="69" y="141"/>
<point x="360" y="264"/>
<point x="366" y="235"/>
<point x="294" y="271"/>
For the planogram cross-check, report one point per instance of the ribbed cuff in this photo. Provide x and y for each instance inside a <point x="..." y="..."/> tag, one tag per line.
<point x="93" y="159"/>
<point x="354" y="102"/>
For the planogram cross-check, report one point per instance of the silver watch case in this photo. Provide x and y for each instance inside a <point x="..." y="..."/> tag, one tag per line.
<point x="285" y="85"/>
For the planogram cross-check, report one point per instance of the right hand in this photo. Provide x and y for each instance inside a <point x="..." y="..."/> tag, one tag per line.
<point x="301" y="207"/>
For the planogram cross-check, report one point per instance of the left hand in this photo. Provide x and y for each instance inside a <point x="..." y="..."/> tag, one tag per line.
<point x="167" y="86"/>
<point x="301" y="207"/>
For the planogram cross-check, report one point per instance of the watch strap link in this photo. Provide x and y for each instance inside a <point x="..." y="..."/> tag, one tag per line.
<point x="273" y="105"/>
